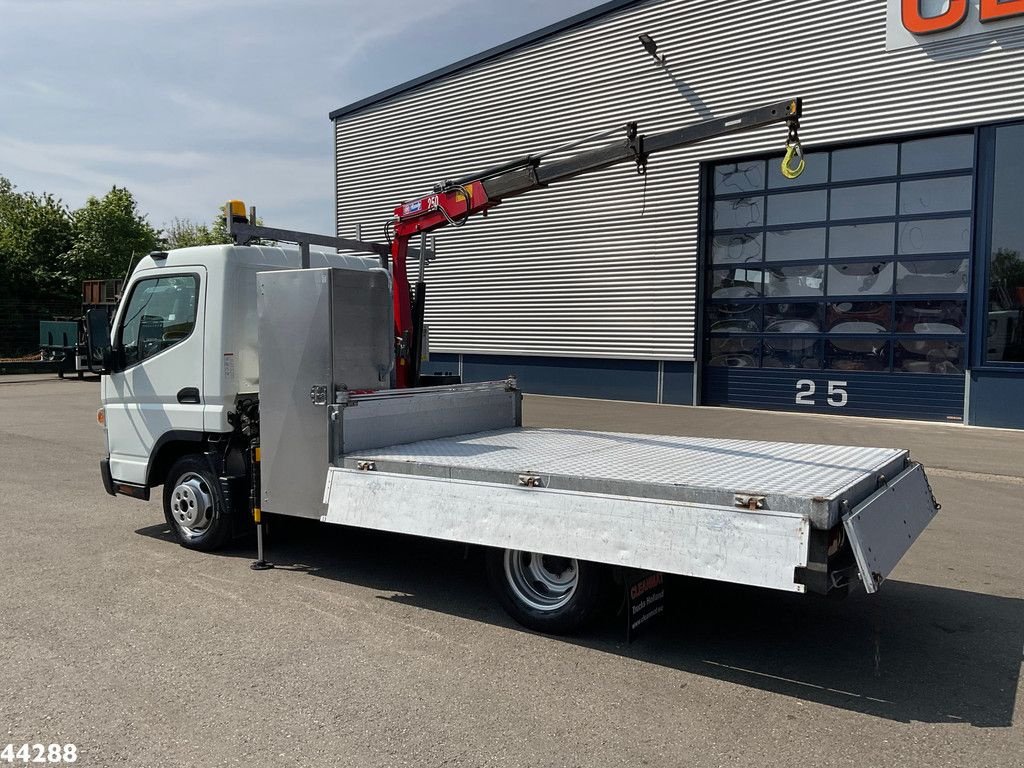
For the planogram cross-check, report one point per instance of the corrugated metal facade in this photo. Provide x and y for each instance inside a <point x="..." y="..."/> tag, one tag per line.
<point x="589" y="268"/>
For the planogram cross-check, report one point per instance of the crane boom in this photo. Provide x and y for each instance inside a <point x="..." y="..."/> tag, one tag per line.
<point x="452" y="202"/>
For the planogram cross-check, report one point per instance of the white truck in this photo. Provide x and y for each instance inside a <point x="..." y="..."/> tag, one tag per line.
<point x="250" y="379"/>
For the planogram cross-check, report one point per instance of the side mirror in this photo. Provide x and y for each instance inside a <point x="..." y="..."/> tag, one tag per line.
<point x="97" y="340"/>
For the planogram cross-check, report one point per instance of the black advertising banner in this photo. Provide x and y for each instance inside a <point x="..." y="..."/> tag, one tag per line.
<point x="645" y="601"/>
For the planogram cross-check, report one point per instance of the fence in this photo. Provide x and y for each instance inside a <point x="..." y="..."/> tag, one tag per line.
<point x="19" y="321"/>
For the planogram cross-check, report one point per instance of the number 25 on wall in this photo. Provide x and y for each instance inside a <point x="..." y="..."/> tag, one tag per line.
<point x="837" y="397"/>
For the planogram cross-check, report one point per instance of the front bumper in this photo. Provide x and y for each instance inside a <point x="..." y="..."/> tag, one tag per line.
<point x="108" y="481"/>
<point x="125" y="489"/>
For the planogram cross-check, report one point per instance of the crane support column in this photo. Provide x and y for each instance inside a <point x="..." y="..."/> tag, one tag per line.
<point x="400" y="291"/>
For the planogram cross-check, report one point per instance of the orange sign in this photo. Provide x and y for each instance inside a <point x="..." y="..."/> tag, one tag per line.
<point x="993" y="10"/>
<point x="917" y="22"/>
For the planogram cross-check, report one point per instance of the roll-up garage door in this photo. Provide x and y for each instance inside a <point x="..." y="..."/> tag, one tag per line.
<point x="846" y="290"/>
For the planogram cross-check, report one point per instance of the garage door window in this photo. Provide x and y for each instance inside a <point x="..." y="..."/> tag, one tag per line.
<point x="1005" y="294"/>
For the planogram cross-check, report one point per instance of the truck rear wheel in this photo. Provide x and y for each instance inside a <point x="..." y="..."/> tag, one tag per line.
<point x="558" y="595"/>
<point x="194" y="505"/>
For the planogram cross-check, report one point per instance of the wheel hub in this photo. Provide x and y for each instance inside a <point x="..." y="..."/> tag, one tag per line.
<point x="192" y="503"/>
<point x="543" y="582"/>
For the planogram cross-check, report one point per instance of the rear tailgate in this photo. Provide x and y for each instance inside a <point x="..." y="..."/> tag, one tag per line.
<point x="884" y="526"/>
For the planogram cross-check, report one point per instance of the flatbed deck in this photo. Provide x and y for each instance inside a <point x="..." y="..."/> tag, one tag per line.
<point x="455" y="463"/>
<point x="805" y="479"/>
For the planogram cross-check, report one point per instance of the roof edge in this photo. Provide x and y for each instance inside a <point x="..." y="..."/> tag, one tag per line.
<point x="490" y="53"/>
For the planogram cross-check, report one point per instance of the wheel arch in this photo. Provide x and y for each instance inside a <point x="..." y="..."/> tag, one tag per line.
<point x="170" y="447"/>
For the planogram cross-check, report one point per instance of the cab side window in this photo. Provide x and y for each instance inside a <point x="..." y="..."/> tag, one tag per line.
<point x="161" y="312"/>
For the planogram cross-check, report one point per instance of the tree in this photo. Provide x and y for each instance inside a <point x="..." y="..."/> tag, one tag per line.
<point x="185" y="233"/>
<point x="1008" y="267"/>
<point x="35" y="230"/>
<point x="1007" y="278"/>
<point x="47" y="250"/>
<point x="109" y="234"/>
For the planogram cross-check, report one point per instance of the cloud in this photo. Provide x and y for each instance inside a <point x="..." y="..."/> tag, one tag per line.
<point x="176" y="184"/>
<point x="209" y="115"/>
<point x="372" y="28"/>
<point x="188" y="102"/>
<point x="28" y="153"/>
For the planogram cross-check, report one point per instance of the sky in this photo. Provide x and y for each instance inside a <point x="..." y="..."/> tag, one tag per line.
<point x="188" y="103"/>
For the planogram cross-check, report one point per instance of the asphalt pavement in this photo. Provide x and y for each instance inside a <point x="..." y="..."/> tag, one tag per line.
<point x="365" y="649"/>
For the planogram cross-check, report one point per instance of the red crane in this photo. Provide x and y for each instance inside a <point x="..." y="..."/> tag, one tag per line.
<point x="452" y="202"/>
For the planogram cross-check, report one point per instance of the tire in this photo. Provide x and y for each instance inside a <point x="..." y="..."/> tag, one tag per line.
<point x="555" y="595"/>
<point x="194" y="505"/>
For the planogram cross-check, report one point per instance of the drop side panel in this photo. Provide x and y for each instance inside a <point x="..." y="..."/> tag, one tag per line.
<point x="724" y="543"/>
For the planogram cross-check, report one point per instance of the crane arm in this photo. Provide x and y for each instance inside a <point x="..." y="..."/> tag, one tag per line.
<point x="452" y="202"/>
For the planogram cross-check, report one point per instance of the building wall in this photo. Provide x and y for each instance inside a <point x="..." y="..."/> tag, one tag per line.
<point x="591" y="268"/>
<point x="605" y="267"/>
<point x="645" y="381"/>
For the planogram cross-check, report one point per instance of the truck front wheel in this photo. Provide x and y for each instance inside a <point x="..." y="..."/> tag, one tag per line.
<point x="557" y="595"/>
<point x="194" y="505"/>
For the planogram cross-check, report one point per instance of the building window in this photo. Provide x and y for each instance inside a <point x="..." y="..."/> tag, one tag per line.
<point x="1005" y="299"/>
<point x="862" y="264"/>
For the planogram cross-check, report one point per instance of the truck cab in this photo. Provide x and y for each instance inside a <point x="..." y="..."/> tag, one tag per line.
<point x="183" y="355"/>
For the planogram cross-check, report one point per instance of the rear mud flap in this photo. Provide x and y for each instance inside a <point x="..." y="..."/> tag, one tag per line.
<point x="884" y="526"/>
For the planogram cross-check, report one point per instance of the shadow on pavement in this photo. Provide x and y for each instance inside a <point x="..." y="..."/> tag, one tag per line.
<point x="910" y="653"/>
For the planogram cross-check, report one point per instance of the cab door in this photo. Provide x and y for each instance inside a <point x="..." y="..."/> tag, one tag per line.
<point x="158" y="389"/>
